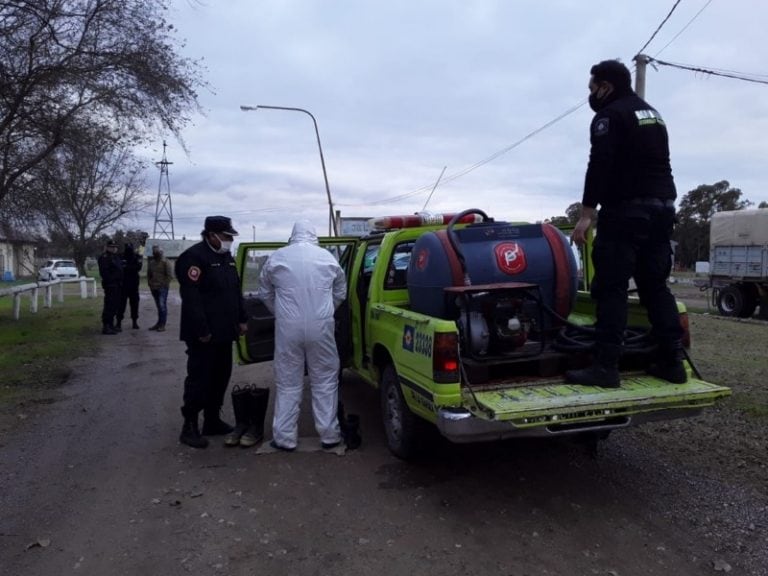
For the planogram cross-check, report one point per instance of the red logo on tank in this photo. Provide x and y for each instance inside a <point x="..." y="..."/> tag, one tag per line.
<point x="421" y="259"/>
<point x="510" y="257"/>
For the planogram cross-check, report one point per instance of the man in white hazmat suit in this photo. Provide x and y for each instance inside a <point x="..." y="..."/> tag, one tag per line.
<point x="302" y="284"/>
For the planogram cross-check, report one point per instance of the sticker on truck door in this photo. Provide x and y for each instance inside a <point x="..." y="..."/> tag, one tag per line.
<point x="418" y="342"/>
<point x="408" y="338"/>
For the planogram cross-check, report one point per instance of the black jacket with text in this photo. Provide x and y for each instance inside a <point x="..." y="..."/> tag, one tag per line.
<point x="629" y="157"/>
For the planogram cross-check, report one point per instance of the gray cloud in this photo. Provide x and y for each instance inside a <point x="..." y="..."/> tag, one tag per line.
<point x="400" y="89"/>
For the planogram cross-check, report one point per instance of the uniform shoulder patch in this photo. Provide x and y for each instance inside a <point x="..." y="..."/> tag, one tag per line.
<point x="602" y="126"/>
<point x="193" y="273"/>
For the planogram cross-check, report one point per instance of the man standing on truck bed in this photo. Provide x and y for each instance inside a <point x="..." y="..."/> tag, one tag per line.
<point x="629" y="176"/>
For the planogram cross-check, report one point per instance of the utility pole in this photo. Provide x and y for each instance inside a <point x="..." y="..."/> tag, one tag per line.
<point x="641" y="60"/>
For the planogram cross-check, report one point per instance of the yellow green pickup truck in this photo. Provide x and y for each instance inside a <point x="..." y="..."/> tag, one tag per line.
<point x="469" y="324"/>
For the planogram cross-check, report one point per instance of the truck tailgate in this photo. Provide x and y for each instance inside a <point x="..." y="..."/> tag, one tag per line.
<point x="561" y="404"/>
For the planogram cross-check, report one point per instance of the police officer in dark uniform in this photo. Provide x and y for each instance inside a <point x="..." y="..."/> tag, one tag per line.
<point x="132" y="262"/>
<point x="212" y="317"/>
<point x="629" y="176"/>
<point x="111" y="272"/>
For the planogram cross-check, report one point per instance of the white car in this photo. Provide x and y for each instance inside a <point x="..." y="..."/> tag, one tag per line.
<point x="57" y="269"/>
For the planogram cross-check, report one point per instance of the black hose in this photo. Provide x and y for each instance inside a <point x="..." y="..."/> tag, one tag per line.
<point x="453" y="239"/>
<point x="636" y="339"/>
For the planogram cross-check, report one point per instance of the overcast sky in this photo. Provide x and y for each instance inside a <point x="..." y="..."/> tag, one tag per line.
<point x="401" y="89"/>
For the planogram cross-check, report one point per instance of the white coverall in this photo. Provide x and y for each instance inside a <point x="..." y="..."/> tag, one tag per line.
<point x="302" y="284"/>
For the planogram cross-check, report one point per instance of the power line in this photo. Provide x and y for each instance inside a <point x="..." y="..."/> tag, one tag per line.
<point x="476" y="165"/>
<point x="684" y="28"/>
<point x="756" y="78"/>
<point x="659" y="28"/>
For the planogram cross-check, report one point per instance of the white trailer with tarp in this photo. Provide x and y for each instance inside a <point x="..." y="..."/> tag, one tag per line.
<point x="738" y="262"/>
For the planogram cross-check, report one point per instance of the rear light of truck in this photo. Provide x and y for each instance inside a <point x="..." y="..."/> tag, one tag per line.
<point x="445" y="358"/>
<point x="686" y="330"/>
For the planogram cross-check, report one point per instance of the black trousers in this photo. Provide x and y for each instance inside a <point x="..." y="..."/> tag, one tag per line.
<point x="111" y="304"/>
<point x="127" y="295"/>
<point x="209" y="367"/>
<point x="634" y="241"/>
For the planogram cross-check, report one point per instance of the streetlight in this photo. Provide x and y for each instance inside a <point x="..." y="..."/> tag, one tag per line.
<point x="331" y="220"/>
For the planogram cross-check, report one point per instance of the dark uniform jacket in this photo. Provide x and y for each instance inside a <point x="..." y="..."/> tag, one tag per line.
<point x="629" y="158"/>
<point x="111" y="270"/>
<point x="132" y="263"/>
<point x="211" y="301"/>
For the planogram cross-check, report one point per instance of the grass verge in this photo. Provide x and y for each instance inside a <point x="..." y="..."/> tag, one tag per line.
<point x="36" y="349"/>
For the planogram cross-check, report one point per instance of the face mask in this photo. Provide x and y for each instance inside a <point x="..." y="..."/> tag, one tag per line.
<point x="226" y="246"/>
<point x="596" y="102"/>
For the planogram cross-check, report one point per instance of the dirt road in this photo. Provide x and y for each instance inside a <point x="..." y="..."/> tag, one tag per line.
<point x="95" y="483"/>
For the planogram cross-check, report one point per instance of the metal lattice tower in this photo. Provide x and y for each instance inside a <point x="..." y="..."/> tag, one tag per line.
<point x="163" y="210"/>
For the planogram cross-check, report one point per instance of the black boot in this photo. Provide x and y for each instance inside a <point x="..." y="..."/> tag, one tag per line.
<point x="107" y="329"/>
<point x="135" y="324"/>
<point x="213" y="425"/>
<point x="604" y="371"/>
<point x="669" y="365"/>
<point x="257" y="407"/>
<point x="241" y="398"/>
<point x="190" y="433"/>
<point x="350" y="431"/>
<point x="349" y="427"/>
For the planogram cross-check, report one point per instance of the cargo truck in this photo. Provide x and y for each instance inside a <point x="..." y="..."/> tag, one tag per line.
<point x="468" y="325"/>
<point x="738" y="262"/>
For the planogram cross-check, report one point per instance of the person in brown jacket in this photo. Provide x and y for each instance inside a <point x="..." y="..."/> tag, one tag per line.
<point x="159" y="274"/>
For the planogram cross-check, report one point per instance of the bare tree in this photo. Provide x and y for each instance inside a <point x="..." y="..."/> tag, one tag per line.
<point x="85" y="187"/>
<point x="64" y="61"/>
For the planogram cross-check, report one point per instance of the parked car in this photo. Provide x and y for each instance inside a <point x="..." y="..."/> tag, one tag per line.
<point x="57" y="269"/>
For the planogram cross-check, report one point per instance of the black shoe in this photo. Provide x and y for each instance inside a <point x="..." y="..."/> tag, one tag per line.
<point x="277" y="446"/>
<point x="595" y="375"/>
<point x="350" y="431"/>
<point x="109" y="330"/>
<point x="330" y="445"/>
<point x="118" y="327"/>
<point x="215" y="426"/>
<point x="135" y="325"/>
<point x="190" y="435"/>
<point x="153" y="327"/>
<point x="673" y="373"/>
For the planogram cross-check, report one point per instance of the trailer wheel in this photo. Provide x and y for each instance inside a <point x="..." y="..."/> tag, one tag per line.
<point x="750" y="299"/>
<point x="736" y="301"/>
<point x="400" y="424"/>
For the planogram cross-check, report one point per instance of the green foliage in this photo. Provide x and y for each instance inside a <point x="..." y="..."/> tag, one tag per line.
<point x="572" y="214"/>
<point x="694" y="215"/>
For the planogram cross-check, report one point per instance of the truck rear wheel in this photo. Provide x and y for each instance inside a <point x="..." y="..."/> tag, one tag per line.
<point x="400" y="424"/>
<point x="736" y="301"/>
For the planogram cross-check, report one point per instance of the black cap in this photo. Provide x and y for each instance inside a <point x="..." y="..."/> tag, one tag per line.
<point x="220" y="224"/>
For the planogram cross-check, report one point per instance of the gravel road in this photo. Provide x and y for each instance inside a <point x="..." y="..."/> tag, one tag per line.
<point x="94" y="482"/>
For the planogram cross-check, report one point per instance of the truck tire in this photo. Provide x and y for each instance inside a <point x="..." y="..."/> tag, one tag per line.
<point x="750" y="299"/>
<point x="733" y="301"/>
<point x="400" y="424"/>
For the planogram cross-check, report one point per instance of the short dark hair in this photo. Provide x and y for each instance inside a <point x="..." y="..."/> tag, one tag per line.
<point x="614" y="72"/>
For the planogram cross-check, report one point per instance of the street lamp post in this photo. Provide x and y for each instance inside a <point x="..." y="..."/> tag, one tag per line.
<point x="331" y="220"/>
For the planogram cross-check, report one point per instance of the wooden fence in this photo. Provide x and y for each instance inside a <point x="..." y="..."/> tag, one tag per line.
<point x="87" y="289"/>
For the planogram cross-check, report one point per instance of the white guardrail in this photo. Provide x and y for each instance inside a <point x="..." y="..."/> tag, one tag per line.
<point x="87" y="289"/>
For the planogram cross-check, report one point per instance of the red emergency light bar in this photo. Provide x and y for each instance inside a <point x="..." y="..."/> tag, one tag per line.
<point x="417" y="220"/>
